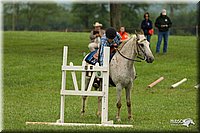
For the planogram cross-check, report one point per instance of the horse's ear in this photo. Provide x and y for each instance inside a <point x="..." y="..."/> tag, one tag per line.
<point x="141" y="31"/>
<point x="136" y="32"/>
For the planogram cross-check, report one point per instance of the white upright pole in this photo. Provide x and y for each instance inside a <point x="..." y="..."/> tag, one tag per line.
<point x="105" y="86"/>
<point x="62" y="105"/>
<point x="83" y="74"/>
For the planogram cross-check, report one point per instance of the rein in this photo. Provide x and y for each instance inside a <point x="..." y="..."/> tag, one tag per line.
<point x="134" y="60"/>
<point x="129" y="58"/>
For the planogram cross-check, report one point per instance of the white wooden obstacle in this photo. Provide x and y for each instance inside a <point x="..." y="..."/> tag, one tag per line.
<point x="197" y="86"/>
<point x="104" y="74"/>
<point x="178" y="83"/>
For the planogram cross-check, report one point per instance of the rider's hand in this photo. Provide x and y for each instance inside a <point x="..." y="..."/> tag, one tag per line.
<point x="96" y="56"/>
<point x="115" y="45"/>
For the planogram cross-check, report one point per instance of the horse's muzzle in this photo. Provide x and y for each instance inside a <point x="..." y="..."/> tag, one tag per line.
<point x="149" y="59"/>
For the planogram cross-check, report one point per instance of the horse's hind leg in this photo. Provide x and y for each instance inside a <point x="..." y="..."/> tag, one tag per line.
<point x="119" y="92"/>
<point x="83" y="105"/>
<point x="99" y="106"/>
<point x="84" y="97"/>
<point x="99" y="102"/>
<point x="128" y="100"/>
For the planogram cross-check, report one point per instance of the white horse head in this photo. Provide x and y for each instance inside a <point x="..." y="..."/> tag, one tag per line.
<point x="143" y="48"/>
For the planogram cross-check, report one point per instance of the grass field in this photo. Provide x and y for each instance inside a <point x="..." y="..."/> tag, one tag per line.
<point x="32" y="81"/>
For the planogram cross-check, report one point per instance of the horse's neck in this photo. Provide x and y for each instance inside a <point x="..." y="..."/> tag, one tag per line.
<point x="129" y="50"/>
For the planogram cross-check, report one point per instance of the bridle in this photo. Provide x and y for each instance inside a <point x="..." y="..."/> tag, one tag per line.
<point x="138" y="49"/>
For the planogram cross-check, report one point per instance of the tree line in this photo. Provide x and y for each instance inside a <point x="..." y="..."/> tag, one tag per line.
<point x="81" y="17"/>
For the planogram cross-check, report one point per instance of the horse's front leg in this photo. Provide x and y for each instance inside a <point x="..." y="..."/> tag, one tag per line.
<point x="119" y="92"/>
<point x="128" y="100"/>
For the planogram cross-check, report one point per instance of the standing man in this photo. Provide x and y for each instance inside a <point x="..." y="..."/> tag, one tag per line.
<point x="146" y="26"/>
<point x="163" y="23"/>
<point x="95" y="36"/>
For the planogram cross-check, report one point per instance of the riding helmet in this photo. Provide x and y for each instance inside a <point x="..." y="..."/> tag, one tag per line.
<point x="111" y="33"/>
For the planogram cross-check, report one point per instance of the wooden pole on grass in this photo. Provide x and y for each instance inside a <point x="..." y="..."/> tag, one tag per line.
<point x="155" y="82"/>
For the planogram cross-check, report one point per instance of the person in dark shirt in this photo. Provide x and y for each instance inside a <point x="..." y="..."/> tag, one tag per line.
<point x="163" y="23"/>
<point x="146" y="26"/>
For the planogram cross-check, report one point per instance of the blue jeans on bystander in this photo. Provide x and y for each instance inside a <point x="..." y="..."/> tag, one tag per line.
<point x="148" y="38"/>
<point x="165" y="35"/>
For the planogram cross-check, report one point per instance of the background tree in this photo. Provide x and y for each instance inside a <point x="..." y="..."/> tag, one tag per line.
<point x="174" y="7"/>
<point x="81" y="17"/>
<point x="115" y="15"/>
<point x="132" y="15"/>
<point x="12" y="10"/>
<point x="86" y="14"/>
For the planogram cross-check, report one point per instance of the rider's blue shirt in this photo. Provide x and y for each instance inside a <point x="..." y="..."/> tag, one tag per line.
<point x="104" y="42"/>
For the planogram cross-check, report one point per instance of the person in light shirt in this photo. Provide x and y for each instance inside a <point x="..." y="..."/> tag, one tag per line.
<point x="95" y="36"/>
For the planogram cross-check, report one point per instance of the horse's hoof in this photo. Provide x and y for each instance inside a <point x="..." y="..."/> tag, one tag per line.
<point x="130" y="118"/>
<point x="82" y="113"/>
<point x="98" y="114"/>
<point x="118" y="119"/>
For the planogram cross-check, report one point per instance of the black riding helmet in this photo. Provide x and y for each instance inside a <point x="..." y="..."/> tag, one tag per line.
<point x="111" y="33"/>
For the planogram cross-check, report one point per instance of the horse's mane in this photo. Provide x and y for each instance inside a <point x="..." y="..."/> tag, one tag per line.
<point x="132" y="36"/>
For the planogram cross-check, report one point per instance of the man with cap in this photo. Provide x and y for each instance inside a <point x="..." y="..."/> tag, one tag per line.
<point x="163" y="23"/>
<point x="95" y="36"/>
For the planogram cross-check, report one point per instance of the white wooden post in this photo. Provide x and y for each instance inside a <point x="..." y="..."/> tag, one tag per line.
<point x="83" y="77"/>
<point x="105" y="86"/>
<point x="63" y="86"/>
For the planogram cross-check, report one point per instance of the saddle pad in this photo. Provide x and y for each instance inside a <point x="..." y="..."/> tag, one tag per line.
<point x="90" y="58"/>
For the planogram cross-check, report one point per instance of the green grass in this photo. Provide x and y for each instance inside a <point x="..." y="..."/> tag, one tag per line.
<point x="32" y="81"/>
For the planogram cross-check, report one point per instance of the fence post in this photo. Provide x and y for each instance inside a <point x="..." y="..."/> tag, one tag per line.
<point x="105" y="86"/>
<point x="63" y="86"/>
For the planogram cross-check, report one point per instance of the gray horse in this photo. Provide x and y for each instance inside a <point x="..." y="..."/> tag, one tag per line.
<point x="122" y="70"/>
